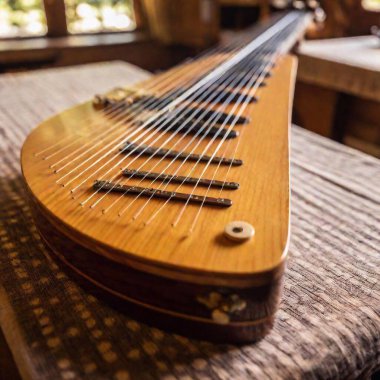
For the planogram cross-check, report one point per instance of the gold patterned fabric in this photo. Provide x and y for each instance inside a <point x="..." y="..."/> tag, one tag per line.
<point x="328" y="324"/>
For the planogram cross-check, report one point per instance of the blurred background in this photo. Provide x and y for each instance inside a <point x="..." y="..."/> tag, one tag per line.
<point x="338" y="85"/>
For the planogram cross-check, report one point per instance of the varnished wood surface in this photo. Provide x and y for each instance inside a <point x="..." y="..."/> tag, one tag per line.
<point x="330" y="294"/>
<point x="262" y="200"/>
<point x="350" y="65"/>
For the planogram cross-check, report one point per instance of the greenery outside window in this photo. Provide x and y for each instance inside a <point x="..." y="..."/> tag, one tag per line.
<point x="91" y="16"/>
<point x="22" y="18"/>
<point x="31" y="18"/>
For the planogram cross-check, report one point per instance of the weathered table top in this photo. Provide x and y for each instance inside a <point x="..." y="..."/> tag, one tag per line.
<point x="350" y="65"/>
<point x="328" y="325"/>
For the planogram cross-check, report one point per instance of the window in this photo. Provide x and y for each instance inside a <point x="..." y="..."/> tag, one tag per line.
<point x="27" y="18"/>
<point x="22" y="18"/>
<point x="85" y="16"/>
<point x="371" y="5"/>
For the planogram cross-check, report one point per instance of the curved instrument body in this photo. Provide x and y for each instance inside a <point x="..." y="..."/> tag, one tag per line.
<point x="152" y="228"/>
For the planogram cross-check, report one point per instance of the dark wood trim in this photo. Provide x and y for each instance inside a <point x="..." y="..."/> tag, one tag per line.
<point x="72" y="41"/>
<point x="8" y="368"/>
<point x="134" y="47"/>
<point x="55" y="12"/>
<point x="140" y="16"/>
<point x="163" y="302"/>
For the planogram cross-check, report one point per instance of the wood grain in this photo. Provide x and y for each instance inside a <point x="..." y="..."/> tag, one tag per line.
<point x="205" y="255"/>
<point x="330" y="294"/>
<point x="350" y="65"/>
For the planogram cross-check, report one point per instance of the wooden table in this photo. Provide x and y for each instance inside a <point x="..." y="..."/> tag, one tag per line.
<point x="328" y="325"/>
<point x="338" y="91"/>
<point x="350" y="65"/>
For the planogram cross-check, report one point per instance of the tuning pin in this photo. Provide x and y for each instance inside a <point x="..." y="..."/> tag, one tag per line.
<point x="319" y="15"/>
<point x="312" y="4"/>
<point x="299" y="4"/>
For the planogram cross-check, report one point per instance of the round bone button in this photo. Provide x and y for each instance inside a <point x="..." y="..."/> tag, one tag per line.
<point x="239" y="231"/>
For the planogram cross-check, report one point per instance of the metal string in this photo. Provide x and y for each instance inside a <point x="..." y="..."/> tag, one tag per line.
<point x="125" y="138"/>
<point x="167" y="183"/>
<point x="60" y="141"/>
<point x="82" y="120"/>
<point x="205" y="54"/>
<point x="285" y="46"/>
<point x="166" y="121"/>
<point x="138" y="129"/>
<point x="194" y="166"/>
<point x="168" y="140"/>
<point x="212" y="121"/>
<point x="124" y="112"/>
<point x="215" y="75"/>
<point x="284" y="49"/>
<point x="219" y="145"/>
<point x="112" y="130"/>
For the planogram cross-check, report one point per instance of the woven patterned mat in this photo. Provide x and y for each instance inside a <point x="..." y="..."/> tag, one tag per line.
<point x="328" y="325"/>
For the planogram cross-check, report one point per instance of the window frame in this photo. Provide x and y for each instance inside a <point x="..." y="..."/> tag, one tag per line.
<point x="56" y="22"/>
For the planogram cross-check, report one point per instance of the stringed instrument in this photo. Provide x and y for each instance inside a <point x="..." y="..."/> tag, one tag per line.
<point x="172" y="196"/>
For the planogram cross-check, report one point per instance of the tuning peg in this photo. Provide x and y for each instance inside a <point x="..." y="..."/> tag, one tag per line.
<point x="313" y="4"/>
<point x="299" y="4"/>
<point x="319" y="15"/>
<point x="308" y="5"/>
